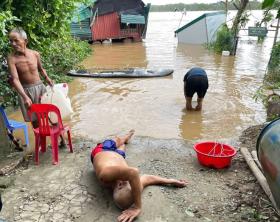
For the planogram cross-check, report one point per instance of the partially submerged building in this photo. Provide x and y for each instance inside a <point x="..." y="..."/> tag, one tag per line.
<point x="115" y="19"/>
<point x="202" y="29"/>
<point x="111" y="19"/>
<point x="80" y="24"/>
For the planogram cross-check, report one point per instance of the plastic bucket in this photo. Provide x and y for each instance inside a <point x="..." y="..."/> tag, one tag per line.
<point x="226" y="53"/>
<point x="213" y="154"/>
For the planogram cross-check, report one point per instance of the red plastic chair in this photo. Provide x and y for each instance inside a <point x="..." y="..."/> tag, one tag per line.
<point x="46" y="128"/>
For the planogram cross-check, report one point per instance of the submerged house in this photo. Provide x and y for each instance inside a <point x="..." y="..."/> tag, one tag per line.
<point x="110" y="19"/>
<point x="81" y="21"/>
<point x="117" y="20"/>
<point x="202" y="29"/>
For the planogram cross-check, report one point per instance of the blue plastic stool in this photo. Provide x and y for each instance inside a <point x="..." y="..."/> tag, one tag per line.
<point x="13" y="125"/>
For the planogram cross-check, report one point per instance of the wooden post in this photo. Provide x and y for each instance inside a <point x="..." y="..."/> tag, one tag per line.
<point x="276" y="32"/>
<point x="235" y="26"/>
<point x="259" y="176"/>
<point x="4" y="140"/>
<point x="226" y="8"/>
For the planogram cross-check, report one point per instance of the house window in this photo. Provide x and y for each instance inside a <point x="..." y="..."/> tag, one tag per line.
<point x="128" y="26"/>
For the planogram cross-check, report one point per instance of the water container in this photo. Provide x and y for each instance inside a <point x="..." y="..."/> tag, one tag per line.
<point x="226" y="53"/>
<point x="63" y="87"/>
<point x="57" y="97"/>
<point x="268" y="148"/>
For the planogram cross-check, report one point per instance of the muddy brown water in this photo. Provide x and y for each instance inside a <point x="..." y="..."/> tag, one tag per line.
<point x="155" y="107"/>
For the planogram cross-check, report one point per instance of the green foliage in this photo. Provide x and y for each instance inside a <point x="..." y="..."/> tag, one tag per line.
<point x="267" y="17"/>
<point x="274" y="62"/>
<point x="63" y="55"/>
<point x="244" y="19"/>
<point x="260" y="95"/>
<point x="224" y="40"/>
<point x="267" y="3"/>
<point x="47" y="23"/>
<point x="7" y="96"/>
<point x="271" y="3"/>
<point x="272" y="77"/>
<point x="6" y="21"/>
<point x="273" y="74"/>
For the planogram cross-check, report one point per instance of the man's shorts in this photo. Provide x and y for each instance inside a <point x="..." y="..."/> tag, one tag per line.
<point x="107" y="145"/>
<point x="34" y="92"/>
<point x="196" y="84"/>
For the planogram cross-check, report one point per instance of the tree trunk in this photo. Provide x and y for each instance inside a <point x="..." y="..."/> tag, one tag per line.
<point x="276" y="33"/>
<point x="4" y="140"/>
<point x="235" y="27"/>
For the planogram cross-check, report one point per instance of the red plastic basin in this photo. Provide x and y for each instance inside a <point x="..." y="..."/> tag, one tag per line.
<point x="213" y="154"/>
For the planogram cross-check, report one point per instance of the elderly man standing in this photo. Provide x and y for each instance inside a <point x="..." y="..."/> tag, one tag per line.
<point x="24" y="67"/>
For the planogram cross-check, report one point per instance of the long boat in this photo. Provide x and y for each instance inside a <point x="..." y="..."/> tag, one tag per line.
<point x="130" y="73"/>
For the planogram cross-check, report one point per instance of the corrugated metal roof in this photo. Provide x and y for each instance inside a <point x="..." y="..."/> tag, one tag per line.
<point x="198" y="19"/>
<point x="81" y="29"/>
<point x="132" y="19"/>
<point x="83" y="12"/>
<point x="82" y="15"/>
<point x="110" y="6"/>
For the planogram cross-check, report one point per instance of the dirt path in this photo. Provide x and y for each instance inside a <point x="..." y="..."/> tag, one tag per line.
<point x="70" y="192"/>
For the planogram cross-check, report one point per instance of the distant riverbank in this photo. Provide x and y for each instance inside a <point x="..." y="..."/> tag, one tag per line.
<point x="254" y="5"/>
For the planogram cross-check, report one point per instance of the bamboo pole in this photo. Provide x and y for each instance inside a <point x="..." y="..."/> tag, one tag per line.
<point x="276" y="33"/>
<point x="258" y="174"/>
<point x="255" y="157"/>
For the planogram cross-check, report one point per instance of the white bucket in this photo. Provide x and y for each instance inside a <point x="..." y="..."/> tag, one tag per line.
<point x="225" y="53"/>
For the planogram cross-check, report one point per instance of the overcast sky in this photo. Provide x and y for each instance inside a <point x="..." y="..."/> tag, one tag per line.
<point x="164" y="2"/>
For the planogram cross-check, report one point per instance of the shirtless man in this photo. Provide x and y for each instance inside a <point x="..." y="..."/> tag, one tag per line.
<point x="24" y="66"/>
<point x="111" y="169"/>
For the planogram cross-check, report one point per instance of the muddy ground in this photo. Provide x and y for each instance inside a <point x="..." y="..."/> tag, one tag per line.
<point x="70" y="192"/>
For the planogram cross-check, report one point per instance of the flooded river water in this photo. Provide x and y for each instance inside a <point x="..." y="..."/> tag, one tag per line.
<point x="156" y="107"/>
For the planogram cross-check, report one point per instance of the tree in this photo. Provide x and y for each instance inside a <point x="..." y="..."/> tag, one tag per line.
<point x="272" y="76"/>
<point x="270" y="3"/>
<point x="240" y="5"/>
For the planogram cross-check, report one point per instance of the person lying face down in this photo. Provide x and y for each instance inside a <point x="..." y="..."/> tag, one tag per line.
<point x="108" y="159"/>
